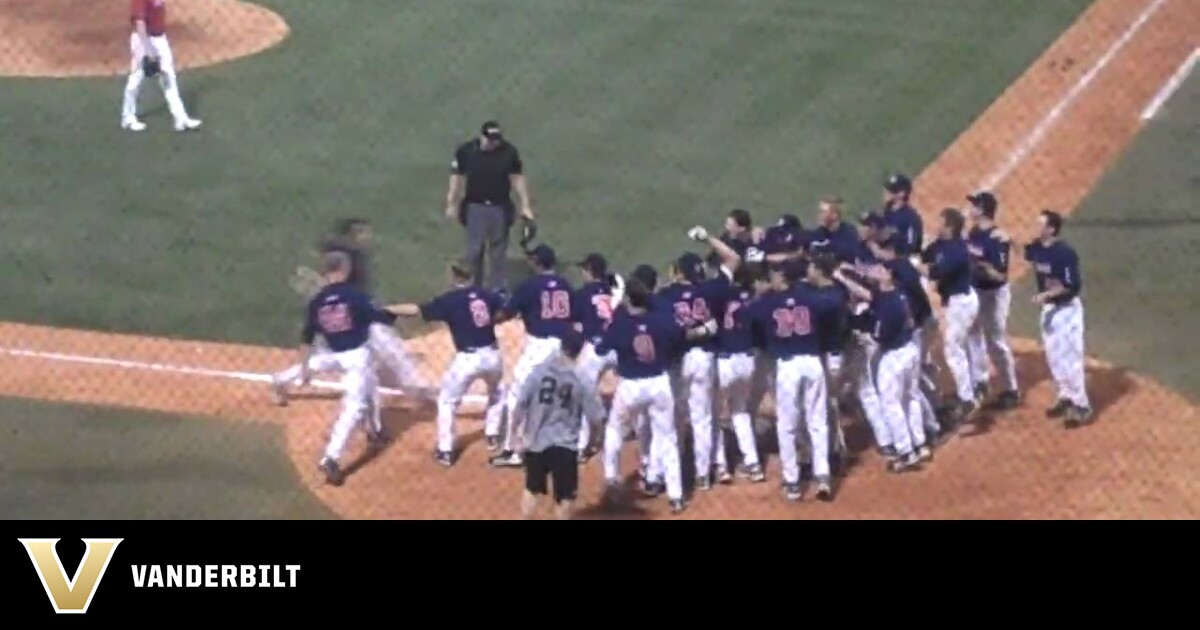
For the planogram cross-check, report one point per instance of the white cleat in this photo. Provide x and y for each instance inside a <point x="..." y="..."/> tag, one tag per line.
<point x="133" y="124"/>
<point x="188" y="124"/>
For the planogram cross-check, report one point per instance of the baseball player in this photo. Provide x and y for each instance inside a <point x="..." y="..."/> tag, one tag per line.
<point x="555" y="402"/>
<point x="342" y="315"/>
<point x="695" y="301"/>
<point x="783" y="241"/>
<point x="859" y="372"/>
<point x="1059" y="284"/>
<point x="735" y="356"/>
<point x="645" y="343"/>
<point x="543" y="303"/>
<point x="901" y="218"/>
<point x="833" y="235"/>
<point x="947" y="262"/>
<point x="898" y="371"/>
<point x="989" y="248"/>
<point x="471" y="314"/>
<point x="151" y="56"/>
<point x="819" y="280"/>
<point x="794" y="322"/>
<point x="593" y="310"/>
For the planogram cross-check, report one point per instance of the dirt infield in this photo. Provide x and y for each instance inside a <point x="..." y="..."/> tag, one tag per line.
<point x="69" y="38"/>
<point x="1044" y="143"/>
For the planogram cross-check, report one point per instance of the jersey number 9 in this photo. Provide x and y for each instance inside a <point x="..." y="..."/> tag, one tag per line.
<point x="643" y="348"/>
<point x="556" y="305"/>
<point x="792" y="321"/>
<point x="480" y="313"/>
<point x="335" y="318"/>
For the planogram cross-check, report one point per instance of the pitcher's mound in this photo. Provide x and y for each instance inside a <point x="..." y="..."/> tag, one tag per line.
<point x="71" y="38"/>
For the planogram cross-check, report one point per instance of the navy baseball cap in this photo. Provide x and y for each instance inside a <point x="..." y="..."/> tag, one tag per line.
<point x="491" y="130"/>
<point x="691" y="266"/>
<point x="898" y="183"/>
<point x="544" y="256"/>
<point x="595" y="263"/>
<point x="790" y="221"/>
<point x="985" y="201"/>
<point x="871" y="219"/>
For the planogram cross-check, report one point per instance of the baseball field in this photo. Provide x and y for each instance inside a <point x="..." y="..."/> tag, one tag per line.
<point x="147" y="294"/>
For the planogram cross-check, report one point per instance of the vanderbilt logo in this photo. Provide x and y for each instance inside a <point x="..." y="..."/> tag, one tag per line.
<point x="74" y="595"/>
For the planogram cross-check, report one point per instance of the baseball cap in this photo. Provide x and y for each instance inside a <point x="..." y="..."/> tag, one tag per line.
<point x="491" y="130"/>
<point x="544" y="256"/>
<point x="871" y="219"/>
<point x="595" y="263"/>
<point x="985" y="201"/>
<point x="691" y="266"/>
<point x="647" y="275"/>
<point x="898" y="183"/>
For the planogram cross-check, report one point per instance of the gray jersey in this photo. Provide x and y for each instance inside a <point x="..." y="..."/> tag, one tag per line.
<point x="554" y="403"/>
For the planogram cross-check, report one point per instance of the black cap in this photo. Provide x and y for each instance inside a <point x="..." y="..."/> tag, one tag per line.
<point x="986" y="202"/>
<point x="789" y="221"/>
<point x="898" y="183"/>
<point x="491" y="130"/>
<point x="691" y="266"/>
<point x="595" y="263"/>
<point x="871" y="219"/>
<point x="544" y="256"/>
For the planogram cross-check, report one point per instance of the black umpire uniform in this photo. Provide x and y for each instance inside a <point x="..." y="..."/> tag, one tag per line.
<point x="488" y="164"/>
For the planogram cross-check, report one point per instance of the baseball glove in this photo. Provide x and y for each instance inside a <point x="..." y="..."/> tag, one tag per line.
<point x="529" y="231"/>
<point x="151" y="66"/>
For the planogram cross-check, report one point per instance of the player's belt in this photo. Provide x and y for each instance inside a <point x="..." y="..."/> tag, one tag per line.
<point x="480" y="349"/>
<point x="730" y="355"/>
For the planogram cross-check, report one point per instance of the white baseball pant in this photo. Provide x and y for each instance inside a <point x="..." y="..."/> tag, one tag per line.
<point x="591" y="368"/>
<point x="358" y="383"/>
<point x="800" y="391"/>
<point x="860" y="366"/>
<point x="693" y="380"/>
<point x="735" y="377"/>
<point x="483" y="364"/>
<point x="899" y="377"/>
<point x="989" y="336"/>
<point x="1062" y="335"/>
<point x="166" y="78"/>
<point x="961" y="313"/>
<point x="652" y="397"/>
<point x="537" y="350"/>
<point x="923" y="337"/>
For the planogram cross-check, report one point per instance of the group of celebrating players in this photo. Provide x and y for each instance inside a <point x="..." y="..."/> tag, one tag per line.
<point x="826" y="318"/>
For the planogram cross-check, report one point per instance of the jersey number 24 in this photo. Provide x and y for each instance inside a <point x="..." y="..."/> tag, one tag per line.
<point x="551" y="390"/>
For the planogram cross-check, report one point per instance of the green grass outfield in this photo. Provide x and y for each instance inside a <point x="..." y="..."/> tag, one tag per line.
<point x="637" y="119"/>
<point x="1136" y="235"/>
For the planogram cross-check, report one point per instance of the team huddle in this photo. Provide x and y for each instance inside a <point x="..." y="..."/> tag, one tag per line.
<point x="826" y="320"/>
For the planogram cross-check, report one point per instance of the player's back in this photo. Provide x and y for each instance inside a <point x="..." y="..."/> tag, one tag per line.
<point x="469" y="312"/>
<point x="593" y="309"/>
<point x="342" y="315"/>
<point x="790" y="321"/>
<point x="735" y="336"/>
<point x="554" y="401"/>
<point x="646" y="343"/>
<point x="695" y="304"/>
<point x="544" y="304"/>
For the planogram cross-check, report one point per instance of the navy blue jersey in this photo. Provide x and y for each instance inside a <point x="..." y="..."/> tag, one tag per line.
<point x="646" y="344"/>
<point x="342" y="314"/>
<point x="738" y="245"/>
<point x="835" y="300"/>
<point x="988" y="246"/>
<point x="790" y="321"/>
<point x="593" y="309"/>
<point x="470" y="312"/>
<point x="908" y="280"/>
<point x="906" y="223"/>
<point x="863" y="321"/>
<point x="1057" y="263"/>
<point x="950" y="266"/>
<point x="782" y="239"/>
<point x="864" y="257"/>
<point x="842" y="242"/>
<point x="694" y="304"/>
<point x="544" y="303"/>
<point x="735" y="335"/>
<point x="893" y="321"/>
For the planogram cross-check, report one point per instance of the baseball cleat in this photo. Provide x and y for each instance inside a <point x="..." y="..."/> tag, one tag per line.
<point x="653" y="489"/>
<point x="644" y="471"/>
<point x="904" y="463"/>
<point x="279" y="393"/>
<point x="333" y="472"/>
<point x="1078" y="416"/>
<point x="1059" y="409"/>
<point x="753" y="472"/>
<point x="494" y="443"/>
<point x="507" y="459"/>
<point x="925" y="454"/>
<point x="378" y="439"/>
<point x="724" y="477"/>
<point x="445" y="458"/>
<point x="793" y="492"/>
<point x="188" y="124"/>
<point x="612" y="493"/>
<point x="887" y="452"/>
<point x="966" y="409"/>
<point x="981" y="391"/>
<point x="1008" y="400"/>
<point x="587" y="454"/>
<point x="133" y="124"/>
<point x="678" y="506"/>
<point x="824" y="489"/>
<point x="704" y="482"/>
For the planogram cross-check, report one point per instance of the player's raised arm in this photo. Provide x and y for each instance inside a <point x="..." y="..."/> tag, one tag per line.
<point x="730" y="260"/>
<point x="857" y="290"/>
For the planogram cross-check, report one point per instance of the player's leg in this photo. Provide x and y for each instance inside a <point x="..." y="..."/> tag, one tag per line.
<point x="389" y="348"/>
<point x="891" y="377"/>
<point x="133" y="86"/>
<point x="960" y="316"/>
<point x="455" y="382"/>
<point x="736" y="377"/>
<point x="977" y="345"/>
<point x="863" y="368"/>
<point x="664" y="439"/>
<point x="169" y="81"/>
<point x="1051" y="324"/>
<point x="537" y="472"/>
<point x="911" y="396"/>
<point x="995" y="328"/>
<point x="564" y="473"/>
<point x="590" y="366"/>
<point x="697" y="373"/>
<point x="491" y="370"/>
<point x="624" y="405"/>
<point x="357" y="384"/>
<point x="787" y="388"/>
<point x="1069" y="334"/>
<point x="535" y="351"/>
<point x="816" y="408"/>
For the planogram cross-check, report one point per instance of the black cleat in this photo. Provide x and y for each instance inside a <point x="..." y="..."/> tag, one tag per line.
<point x="654" y="489"/>
<point x="723" y="476"/>
<point x="678" y="506"/>
<point x="824" y="490"/>
<point x="1007" y="401"/>
<point x="333" y="472"/>
<point x="793" y="492"/>
<point x="494" y="443"/>
<point x="587" y="454"/>
<point x="1059" y="409"/>
<point x="981" y="391"/>
<point x="887" y="452"/>
<point x="1078" y="417"/>
<point x="704" y="482"/>
<point x="754" y="473"/>
<point x="379" y="439"/>
<point x="445" y="458"/>
<point x="924" y="454"/>
<point x="910" y="462"/>
<point x="507" y="459"/>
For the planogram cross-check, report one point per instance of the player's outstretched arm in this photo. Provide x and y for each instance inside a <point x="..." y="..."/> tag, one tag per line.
<point x="857" y="290"/>
<point x="729" y="258"/>
<point x="404" y="310"/>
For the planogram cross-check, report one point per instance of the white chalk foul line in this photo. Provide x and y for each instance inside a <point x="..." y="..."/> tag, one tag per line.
<point x="1168" y="89"/>
<point x="185" y="370"/>
<point x="1029" y="142"/>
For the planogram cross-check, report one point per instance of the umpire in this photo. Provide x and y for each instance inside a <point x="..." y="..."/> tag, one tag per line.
<point x="484" y="175"/>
